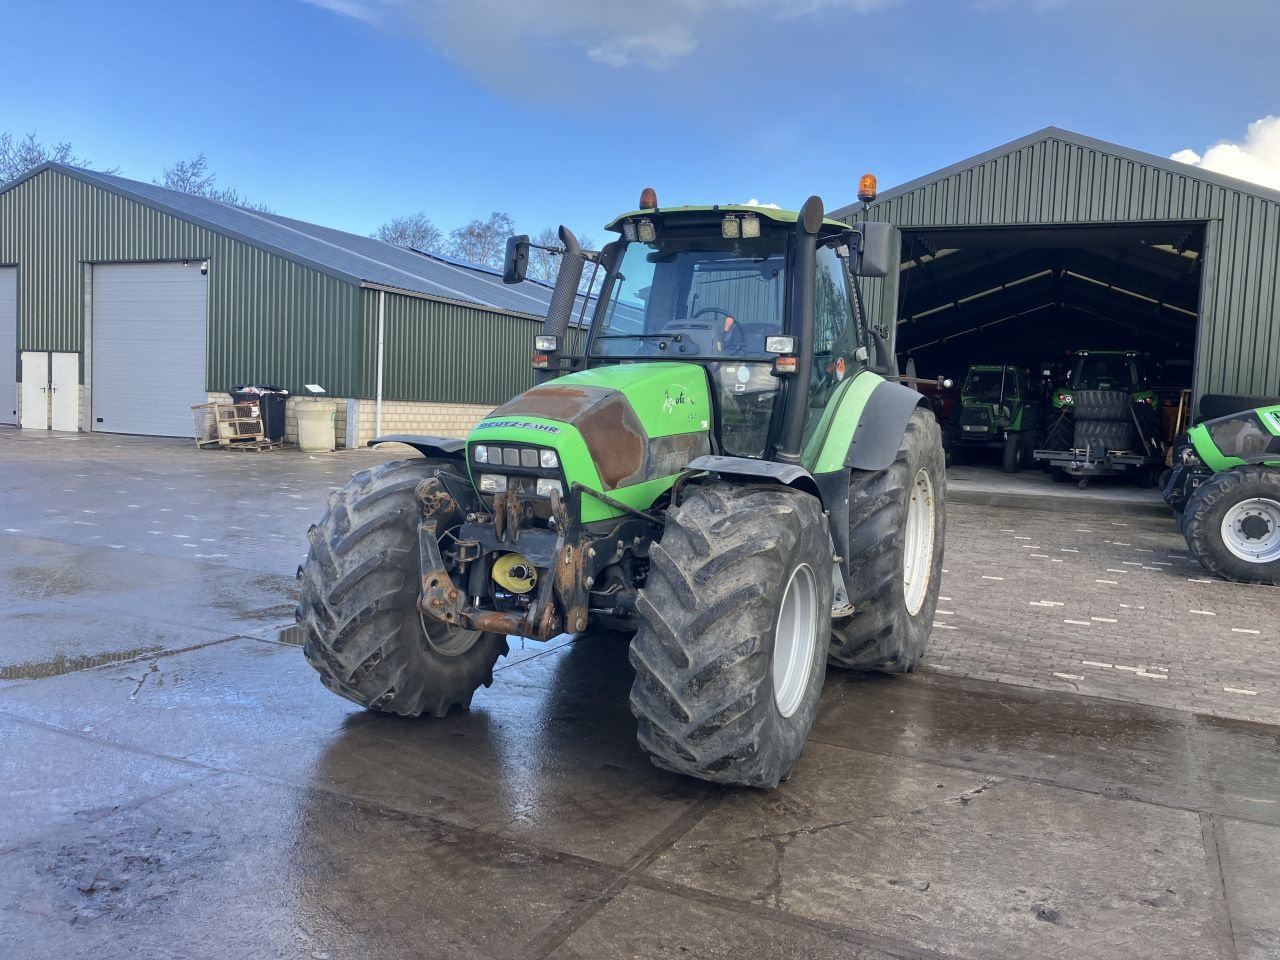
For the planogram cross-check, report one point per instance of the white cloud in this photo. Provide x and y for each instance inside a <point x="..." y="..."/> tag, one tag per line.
<point x="753" y="202"/>
<point x="495" y="34"/>
<point x="367" y="11"/>
<point x="1256" y="158"/>
<point x="655" y="48"/>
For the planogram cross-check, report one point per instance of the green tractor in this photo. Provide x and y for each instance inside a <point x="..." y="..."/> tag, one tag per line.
<point x="1225" y="494"/>
<point x="716" y="463"/>
<point x="999" y="410"/>
<point x="1104" y="422"/>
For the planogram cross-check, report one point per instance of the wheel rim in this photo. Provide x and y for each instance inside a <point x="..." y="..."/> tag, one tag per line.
<point x="794" y="640"/>
<point x="448" y="641"/>
<point x="1251" y="530"/>
<point x="917" y="542"/>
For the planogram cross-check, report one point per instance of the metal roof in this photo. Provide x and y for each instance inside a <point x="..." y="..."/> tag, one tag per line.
<point x="1076" y="139"/>
<point x="347" y="256"/>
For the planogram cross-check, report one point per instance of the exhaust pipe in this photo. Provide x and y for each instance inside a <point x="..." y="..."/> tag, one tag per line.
<point x="563" y="297"/>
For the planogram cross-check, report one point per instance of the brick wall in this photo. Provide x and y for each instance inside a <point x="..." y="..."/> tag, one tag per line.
<point x="398" y="416"/>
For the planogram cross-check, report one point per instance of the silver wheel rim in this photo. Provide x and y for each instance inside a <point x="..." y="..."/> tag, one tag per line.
<point x="794" y="640"/>
<point x="917" y="542"/>
<point x="448" y="641"/>
<point x="1251" y="530"/>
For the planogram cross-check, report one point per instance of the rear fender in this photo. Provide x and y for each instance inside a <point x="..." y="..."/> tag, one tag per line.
<point x="433" y="448"/>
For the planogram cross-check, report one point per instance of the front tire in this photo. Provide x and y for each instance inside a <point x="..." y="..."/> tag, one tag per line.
<point x="729" y="656"/>
<point x="1014" y="449"/>
<point x="897" y="521"/>
<point x="358" y="606"/>
<point x="1232" y="524"/>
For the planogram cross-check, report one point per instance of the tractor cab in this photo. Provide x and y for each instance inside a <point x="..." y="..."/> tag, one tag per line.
<point x="711" y="287"/>
<point x="1118" y="370"/>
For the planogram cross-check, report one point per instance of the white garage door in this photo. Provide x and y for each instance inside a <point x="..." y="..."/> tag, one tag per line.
<point x="9" y="345"/>
<point x="148" y="348"/>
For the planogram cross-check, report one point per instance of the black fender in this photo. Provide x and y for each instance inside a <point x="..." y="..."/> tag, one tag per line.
<point x="760" y="471"/>
<point x="884" y="419"/>
<point x="443" y="448"/>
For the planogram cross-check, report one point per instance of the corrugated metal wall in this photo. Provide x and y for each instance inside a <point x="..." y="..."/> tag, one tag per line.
<point x="1056" y="181"/>
<point x="447" y="353"/>
<point x="269" y="318"/>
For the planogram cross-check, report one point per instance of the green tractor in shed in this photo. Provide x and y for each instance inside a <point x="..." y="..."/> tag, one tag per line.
<point x="717" y="464"/>
<point x="999" y="410"/>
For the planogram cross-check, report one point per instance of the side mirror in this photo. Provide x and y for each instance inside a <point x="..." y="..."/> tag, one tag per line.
<point x="515" y="265"/>
<point x="877" y="249"/>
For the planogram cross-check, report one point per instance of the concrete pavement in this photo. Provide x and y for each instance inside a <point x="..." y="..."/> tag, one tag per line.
<point x="206" y="797"/>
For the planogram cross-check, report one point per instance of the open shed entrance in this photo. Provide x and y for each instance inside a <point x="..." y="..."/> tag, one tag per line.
<point x="1031" y="295"/>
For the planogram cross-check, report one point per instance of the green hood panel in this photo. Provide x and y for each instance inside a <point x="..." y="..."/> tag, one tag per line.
<point x="619" y="429"/>
<point x="666" y="398"/>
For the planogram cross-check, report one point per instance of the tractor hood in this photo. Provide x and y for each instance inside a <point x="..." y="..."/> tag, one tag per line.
<point x="1250" y="436"/>
<point x="635" y="421"/>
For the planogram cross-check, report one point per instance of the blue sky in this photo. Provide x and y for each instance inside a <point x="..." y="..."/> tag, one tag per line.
<point x="349" y="112"/>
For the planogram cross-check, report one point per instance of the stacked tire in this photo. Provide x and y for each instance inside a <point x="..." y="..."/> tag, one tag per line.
<point x="1103" y="420"/>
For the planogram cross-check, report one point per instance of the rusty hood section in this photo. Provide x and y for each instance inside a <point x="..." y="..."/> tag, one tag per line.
<point x="626" y="451"/>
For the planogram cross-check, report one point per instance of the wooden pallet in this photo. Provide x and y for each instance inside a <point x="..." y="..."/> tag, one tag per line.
<point x="255" y="445"/>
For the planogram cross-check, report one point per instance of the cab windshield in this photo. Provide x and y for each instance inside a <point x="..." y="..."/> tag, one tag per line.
<point x="694" y="296"/>
<point x="1102" y="371"/>
<point x="990" y="386"/>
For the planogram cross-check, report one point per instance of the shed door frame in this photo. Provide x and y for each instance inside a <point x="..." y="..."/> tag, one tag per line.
<point x="91" y="322"/>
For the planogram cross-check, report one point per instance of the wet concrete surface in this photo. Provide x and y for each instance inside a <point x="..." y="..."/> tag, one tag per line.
<point x="210" y="799"/>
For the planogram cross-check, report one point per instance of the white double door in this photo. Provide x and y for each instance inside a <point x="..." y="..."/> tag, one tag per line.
<point x="50" y="391"/>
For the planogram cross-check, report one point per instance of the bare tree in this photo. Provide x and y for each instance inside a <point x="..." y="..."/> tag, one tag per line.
<point x="194" y="177"/>
<point x="416" y="231"/>
<point x="482" y="242"/>
<point x="17" y="156"/>
<point x="543" y="264"/>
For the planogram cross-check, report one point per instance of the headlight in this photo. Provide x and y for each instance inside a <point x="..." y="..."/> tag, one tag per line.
<point x="481" y="453"/>
<point x="549" y="459"/>
<point x="546" y="486"/>
<point x="493" y="483"/>
<point x="528" y="458"/>
<point x="1189" y="457"/>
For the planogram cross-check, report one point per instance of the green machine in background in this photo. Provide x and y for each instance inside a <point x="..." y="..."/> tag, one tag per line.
<point x="1225" y="494"/>
<point x="999" y="410"/>
<point x="1104" y="422"/>
<point x="716" y="464"/>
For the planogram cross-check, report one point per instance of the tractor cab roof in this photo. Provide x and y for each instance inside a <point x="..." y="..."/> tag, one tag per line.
<point x="710" y="215"/>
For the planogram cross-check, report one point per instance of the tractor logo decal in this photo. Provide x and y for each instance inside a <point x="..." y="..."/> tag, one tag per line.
<point x="670" y="403"/>
<point x="521" y="424"/>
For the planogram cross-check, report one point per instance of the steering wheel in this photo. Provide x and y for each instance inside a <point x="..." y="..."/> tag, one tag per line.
<point x="735" y="341"/>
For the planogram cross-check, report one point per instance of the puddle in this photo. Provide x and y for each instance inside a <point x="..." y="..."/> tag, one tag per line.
<point x="60" y="664"/>
<point x="292" y="635"/>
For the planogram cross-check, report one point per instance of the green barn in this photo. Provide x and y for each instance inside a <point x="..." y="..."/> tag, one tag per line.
<point x="122" y="304"/>
<point x="1057" y="242"/>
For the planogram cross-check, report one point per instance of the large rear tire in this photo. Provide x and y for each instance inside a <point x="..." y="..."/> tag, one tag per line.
<point x="1105" y="405"/>
<point x="897" y="520"/>
<point x="1061" y="432"/>
<point x="729" y="656"/>
<point x="1232" y="524"/>
<point x="358" y="607"/>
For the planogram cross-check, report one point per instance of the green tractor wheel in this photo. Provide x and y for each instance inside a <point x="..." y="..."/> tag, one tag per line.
<point x="358" y="605"/>
<point x="1014" y="456"/>
<point x="896" y="527"/>
<point x="735" y="615"/>
<point x="1232" y="524"/>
